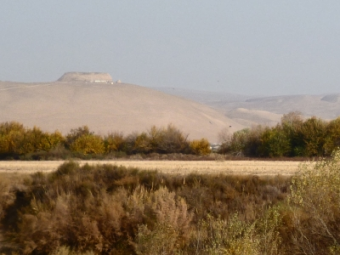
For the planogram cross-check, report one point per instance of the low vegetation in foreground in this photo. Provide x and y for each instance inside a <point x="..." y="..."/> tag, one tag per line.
<point x="107" y="209"/>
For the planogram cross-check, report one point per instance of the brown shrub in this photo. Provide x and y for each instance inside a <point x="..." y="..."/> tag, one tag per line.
<point x="108" y="209"/>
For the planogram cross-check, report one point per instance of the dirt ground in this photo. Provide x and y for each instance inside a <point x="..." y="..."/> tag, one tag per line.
<point x="171" y="167"/>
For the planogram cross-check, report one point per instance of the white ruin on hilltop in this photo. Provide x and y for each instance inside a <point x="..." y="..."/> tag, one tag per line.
<point x="87" y="77"/>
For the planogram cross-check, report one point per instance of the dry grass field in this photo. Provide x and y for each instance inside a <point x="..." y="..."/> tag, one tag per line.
<point x="264" y="168"/>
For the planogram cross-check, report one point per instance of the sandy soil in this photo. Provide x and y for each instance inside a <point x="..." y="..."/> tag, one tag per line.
<point x="107" y="108"/>
<point x="170" y="167"/>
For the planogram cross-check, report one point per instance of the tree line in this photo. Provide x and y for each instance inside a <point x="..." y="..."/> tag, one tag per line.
<point x="292" y="137"/>
<point x="16" y="140"/>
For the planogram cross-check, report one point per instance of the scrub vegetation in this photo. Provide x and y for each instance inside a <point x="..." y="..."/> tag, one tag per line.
<point x="106" y="209"/>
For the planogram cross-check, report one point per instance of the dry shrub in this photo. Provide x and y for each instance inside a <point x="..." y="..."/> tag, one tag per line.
<point x="231" y="236"/>
<point x="6" y="195"/>
<point x="234" y="236"/>
<point x="166" y="221"/>
<point x="64" y="250"/>
<point x="314" y="217"/>
<point x="223" y="196"/>
<point x="66" y="208"/>
<point x="107" y="209"/>
<point x="100" y="228"/>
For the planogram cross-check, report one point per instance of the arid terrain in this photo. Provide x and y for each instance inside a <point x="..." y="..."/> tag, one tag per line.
<point x="264" y="110"/>
<point x="235" y="167"/>
<point x="93" y="99"/>
<point x="106" y="107"/>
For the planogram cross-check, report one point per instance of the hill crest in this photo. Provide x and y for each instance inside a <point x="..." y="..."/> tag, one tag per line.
<point x="106" y="107"/>
<point x="91" y="77"/>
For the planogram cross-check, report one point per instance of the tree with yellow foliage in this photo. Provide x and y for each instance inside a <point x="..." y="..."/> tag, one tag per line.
<point x="84" y="141"/>
<point x="114" y="142"/>
<point x="200" y="147"/>
<point x="11" y="137"/>
<point x="88" y="144"/>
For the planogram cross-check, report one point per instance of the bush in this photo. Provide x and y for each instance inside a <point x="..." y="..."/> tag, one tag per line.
<point x="107" y="209"/>
<point x="172" y="140"/>
<point x="200" y="147"/>
<point x="167" y="227"/>
<point x="315" y="212"/>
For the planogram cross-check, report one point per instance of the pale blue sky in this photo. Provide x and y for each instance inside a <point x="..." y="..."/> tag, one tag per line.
<point x="245" y="47"/>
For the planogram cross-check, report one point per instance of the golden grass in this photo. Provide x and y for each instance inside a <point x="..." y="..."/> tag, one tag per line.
<point x="250" y="167"/>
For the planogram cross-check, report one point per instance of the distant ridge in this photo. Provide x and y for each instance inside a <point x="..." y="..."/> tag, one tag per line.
<point x="92" y="77"/>
<point x="334" y="98"/>
<point x="264" y="110"/>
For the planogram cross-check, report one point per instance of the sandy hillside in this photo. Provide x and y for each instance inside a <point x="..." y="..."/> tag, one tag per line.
<point x="250" y="111"/>
<point x="204" y="96"/>
<point x="326" y="107"/>
<point x="107" y="107"/>
<point x="250" y="117"/>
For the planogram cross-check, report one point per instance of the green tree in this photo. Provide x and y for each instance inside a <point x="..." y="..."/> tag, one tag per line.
<point x="312" y="134"/>
<point x="332" y="139"/>
<point x="253" y="141"/>
<point x="291" y="127"/>
<point x="274" y="143"/>
<point x="237" y="143"/>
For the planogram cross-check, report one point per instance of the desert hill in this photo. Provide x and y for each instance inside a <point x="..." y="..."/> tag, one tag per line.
<point x="248" y="111"/>
<point x="325" y="107"/>
<point x="251" y="117"/>
<point x="203" y="96"/>
<point x="105" y="107"/>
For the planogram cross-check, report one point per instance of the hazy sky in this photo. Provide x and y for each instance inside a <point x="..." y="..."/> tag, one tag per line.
<point x="245" y="47"/>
